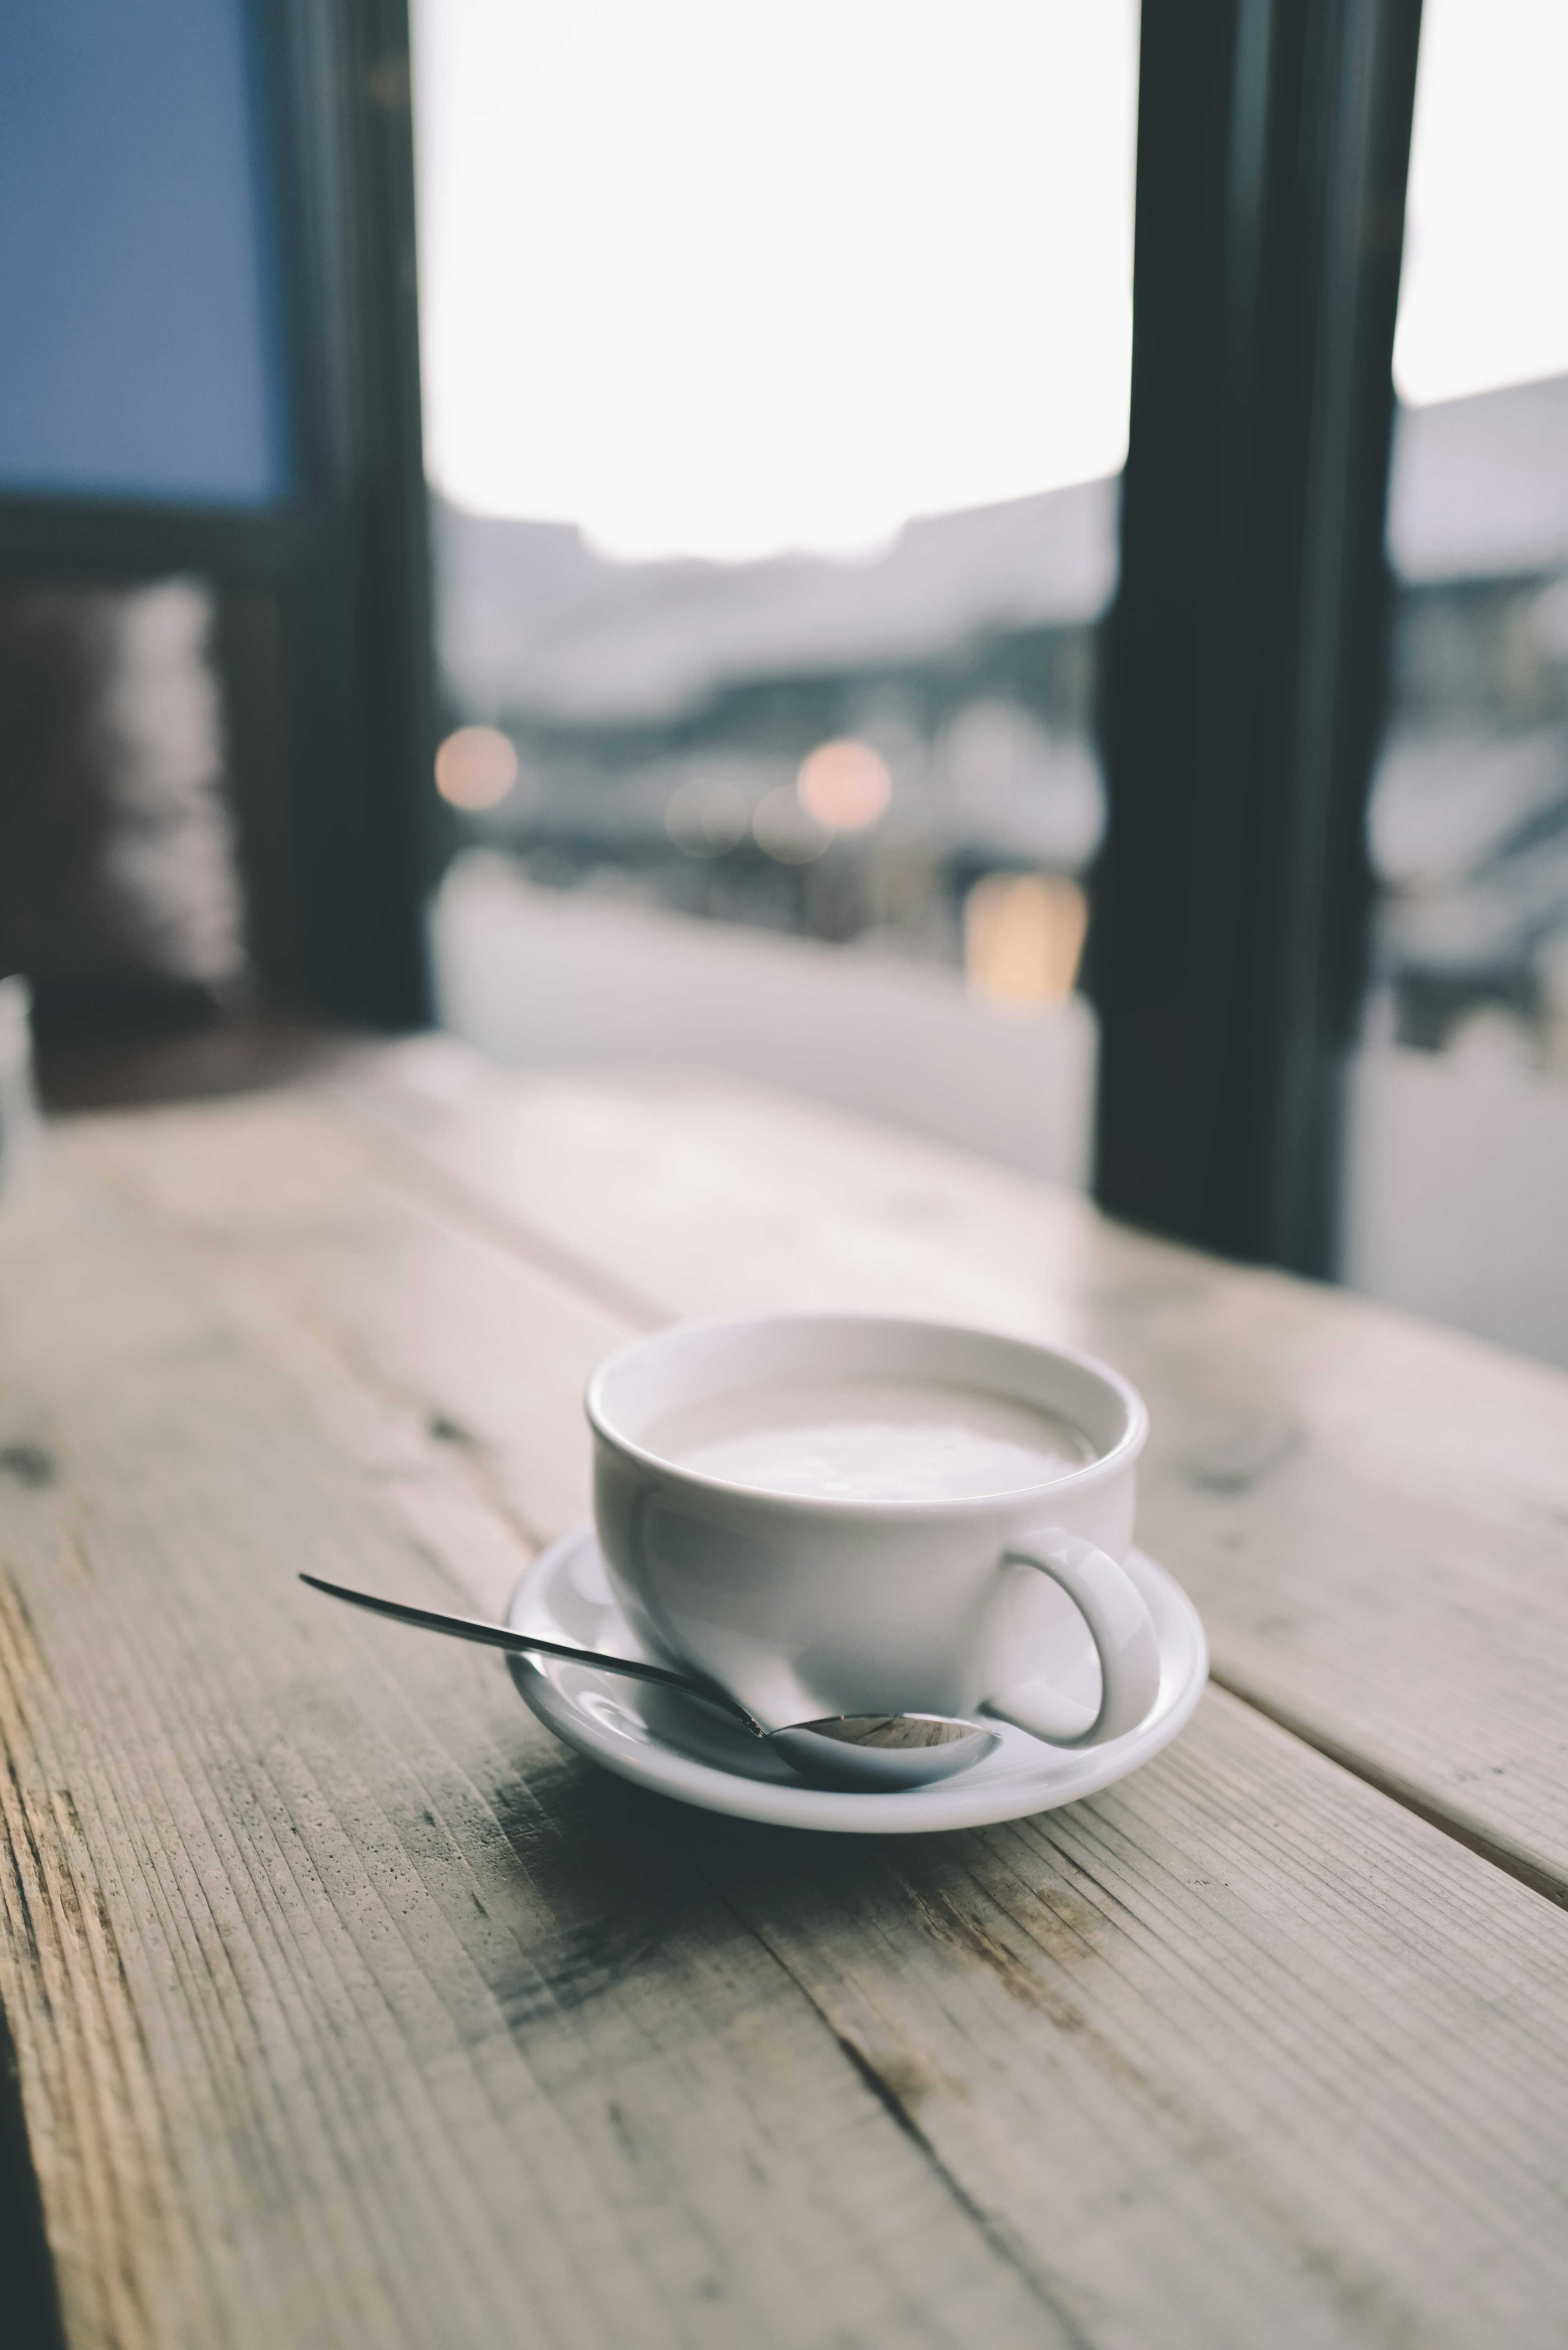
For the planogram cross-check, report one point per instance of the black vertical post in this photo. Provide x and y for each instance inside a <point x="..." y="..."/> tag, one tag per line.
<point x="1245" y="655"/>
<point x="355" y="647"/>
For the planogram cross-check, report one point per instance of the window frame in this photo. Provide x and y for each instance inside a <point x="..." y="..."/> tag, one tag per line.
<point x="1245" y="657"/>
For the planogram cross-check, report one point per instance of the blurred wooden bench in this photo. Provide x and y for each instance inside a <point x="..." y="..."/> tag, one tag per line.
<point x="348" y="2009"/>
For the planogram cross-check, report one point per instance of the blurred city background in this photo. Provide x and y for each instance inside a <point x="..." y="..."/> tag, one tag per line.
<point x="768" y="594"/>
<point x="775" y="377"/>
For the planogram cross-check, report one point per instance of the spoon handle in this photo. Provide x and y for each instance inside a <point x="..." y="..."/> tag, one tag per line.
<point x="527" y="1643"/>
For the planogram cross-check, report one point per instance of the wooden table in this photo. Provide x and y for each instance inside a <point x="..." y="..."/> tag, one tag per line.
<point x="348" y="2008"/>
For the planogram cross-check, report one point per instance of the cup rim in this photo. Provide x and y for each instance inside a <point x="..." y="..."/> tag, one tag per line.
<point x="1099" y="1472"/>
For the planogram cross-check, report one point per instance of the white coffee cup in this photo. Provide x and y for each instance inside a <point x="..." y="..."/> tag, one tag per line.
<point x="802" y="1606"/>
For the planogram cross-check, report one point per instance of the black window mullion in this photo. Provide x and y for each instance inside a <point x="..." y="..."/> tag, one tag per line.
<point x="1245" y="656"/>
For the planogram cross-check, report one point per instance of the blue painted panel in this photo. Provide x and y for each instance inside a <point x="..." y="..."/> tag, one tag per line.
<point x="140" y="337"/>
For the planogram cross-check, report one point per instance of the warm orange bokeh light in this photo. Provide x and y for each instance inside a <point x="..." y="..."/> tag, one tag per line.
<point x="1023" y="937"/>
<point x="475" y="767"/>
<point x="845" y="785"/>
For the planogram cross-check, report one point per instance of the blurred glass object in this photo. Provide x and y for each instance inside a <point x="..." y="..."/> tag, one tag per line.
<point x="777" y="364"/>
<point x="119" y="891"/>
<point x="1455" y="1198"/>
<point x="138" y="280"/>
<point x="21" y="1128"/>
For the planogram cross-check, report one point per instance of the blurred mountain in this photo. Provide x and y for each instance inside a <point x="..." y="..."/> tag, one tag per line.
<point x="1480" y="486"/>
<point x="533" y="620"/>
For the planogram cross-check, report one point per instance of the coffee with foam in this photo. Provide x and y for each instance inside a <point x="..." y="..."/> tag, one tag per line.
<point x="871" y="1440"/>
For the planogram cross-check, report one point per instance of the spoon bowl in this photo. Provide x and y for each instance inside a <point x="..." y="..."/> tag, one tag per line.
<point x="871" y="1750"/>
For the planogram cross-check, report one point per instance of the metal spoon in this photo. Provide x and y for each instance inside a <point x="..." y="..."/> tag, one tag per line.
<point x="861" y="1750"/>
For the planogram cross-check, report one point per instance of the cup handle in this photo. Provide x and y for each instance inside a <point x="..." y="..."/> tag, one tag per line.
<point x="1121" y="1628"/>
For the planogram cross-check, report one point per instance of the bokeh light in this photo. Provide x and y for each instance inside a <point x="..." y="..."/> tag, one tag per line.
<point x="706" y="818"/>
<point x="475" y="767"/>
<point x="1023" y="938"/>
<point x="845" y="786"/>
<point x="786" y="831"/>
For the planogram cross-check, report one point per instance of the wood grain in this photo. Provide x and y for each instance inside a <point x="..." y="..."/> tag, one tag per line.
<point x="350" y="2010"/>
<point x="1372" y="1514"/>
<point x="346" y="2010"/>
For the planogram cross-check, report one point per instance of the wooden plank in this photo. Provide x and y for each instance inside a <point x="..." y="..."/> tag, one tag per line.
<point x="1207" y="2031"/>
<point x="1372" y="1514"/>
<point x="1236" y="2052"/>
<point x="433" y="1318"/>
<point x="347" y="2009"/>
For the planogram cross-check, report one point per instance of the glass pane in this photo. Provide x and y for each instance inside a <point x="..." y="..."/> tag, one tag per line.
<point x="142" y="354"/>
<point x="776" y="367"/>
<point x="1456" y="1193"/>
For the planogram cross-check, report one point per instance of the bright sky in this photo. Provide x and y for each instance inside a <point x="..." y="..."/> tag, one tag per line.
<point x="724" y="276"/>
<point x="1484" y="295"/>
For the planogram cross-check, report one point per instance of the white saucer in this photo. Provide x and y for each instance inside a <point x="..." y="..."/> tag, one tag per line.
<point x="681" y="1747"/>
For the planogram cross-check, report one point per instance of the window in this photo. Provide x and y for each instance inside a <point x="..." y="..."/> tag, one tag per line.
<point x="1457" y="1184"/>
<point x="777" y="368"/>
